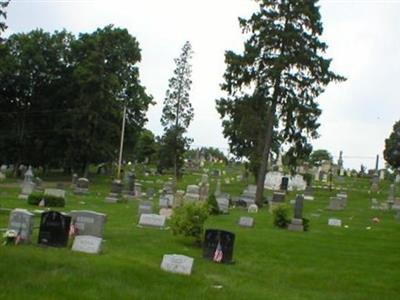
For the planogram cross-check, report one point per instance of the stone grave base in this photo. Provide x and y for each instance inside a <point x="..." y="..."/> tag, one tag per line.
<point x="296" y="225"/>
<point x="23" y="196"/>
<point x="112" y="198"/>
<point x="81" y="191"/>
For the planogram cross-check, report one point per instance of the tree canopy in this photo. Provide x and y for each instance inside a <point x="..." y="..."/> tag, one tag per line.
<point x="64" y="96"/>
<point x="392" y="147"/>
<point x="272" y="86"/>
<point x="318" y="156"/>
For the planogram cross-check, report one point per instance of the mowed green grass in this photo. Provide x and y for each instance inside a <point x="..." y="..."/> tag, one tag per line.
<point x="270" y="263"/>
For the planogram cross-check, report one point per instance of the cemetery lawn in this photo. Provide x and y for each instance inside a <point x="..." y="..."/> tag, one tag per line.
<point x="270" y="263"/>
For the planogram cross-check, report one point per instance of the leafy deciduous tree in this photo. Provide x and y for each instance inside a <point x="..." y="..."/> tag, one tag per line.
<point x="392" y="147"/>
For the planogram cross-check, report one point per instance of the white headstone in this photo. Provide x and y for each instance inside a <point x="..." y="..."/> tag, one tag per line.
<point x="87" y="244"/>
<point x="246" y="222"/>
<point x="335" y="222"/>
<point x="176" y="263"/>
<point x="152" y="220"/>
<point x="253" y="208"/>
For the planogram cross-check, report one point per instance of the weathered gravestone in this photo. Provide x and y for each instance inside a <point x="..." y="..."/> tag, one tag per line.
<point x="87" y="244"/>
<point x="223" y="203"/>
<point x="74" y="180"/>
<point x="116" y="192"/>
<point x="27" y="189"/>
<point x="166" y="200"/>
<point x="55" y="193"/>
<point x="138" y="189"/>
<point x="152" y="220"/>
<point x="335" y="222"/>
<point x="54" y="229"/>
<point x="22" y="221"/>
<point x="296" y="223"/>
<point x="2" y="176"/>
<point x="82" y="186"/>
<point x="176" y="263"/>
<point x="248" y="196"/>
<point x="218" y="245"/>
<point x="246" y="222"/>
<point x="145" y="207"/>
<point x="336" y="203"/>
<point x="284" y="183"/>
<point x="192" y="193"/>
<point x="253" y="208"/>
<point x="88" y="222"/>
<point x="166" y="212"/>
<point x="278" y="197"/>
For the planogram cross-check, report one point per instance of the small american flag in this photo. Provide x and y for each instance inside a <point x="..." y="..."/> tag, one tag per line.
<point x="218" y="255"/>
<point x="73" y="230"/>
<point x="18" y="238"/>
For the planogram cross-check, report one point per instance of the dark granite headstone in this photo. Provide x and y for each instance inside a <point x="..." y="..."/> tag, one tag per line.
<point x="214" y="240"/>
<point x="298" y="207"/>
<point x="54" y="229"/>
<point x="284" y="183"/>
<point x="278" y="197"/>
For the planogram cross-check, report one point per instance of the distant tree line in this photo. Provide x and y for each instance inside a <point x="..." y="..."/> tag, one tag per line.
<point x="62" y="97"/>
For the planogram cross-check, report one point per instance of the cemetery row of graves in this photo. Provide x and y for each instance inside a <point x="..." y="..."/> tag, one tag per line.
<point x="95" y="213"/>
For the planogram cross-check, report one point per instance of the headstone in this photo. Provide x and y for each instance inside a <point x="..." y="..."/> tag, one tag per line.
<point x="28" y="176"/>
<point x="284" y="183"/>
<point x="87" y="244"/>
<point x="397" y="179"/>
<point x="223" y="204"/>
<point x="54" y="229"/>
<point x="218" y="188"/>
<point x="2" y="176"/>
<point x="152" y="220"/>
<point x="218" y="245"/>
<point x="22" y="222"/>
<point x="74" y="180"/>
<point x="27" y="189"/>
<point x="336" y="203"/>
<point x="116" y="192"/>
<point x="381" y="174"/>
<point x="296" y="225"/>
<point x="246" y="222"/>
<point x="138" y="189"/>
<point x="82" y="186"/>
<point x="3" y="168"/>
<point x="88" y="222"/>
<point x="335" y="222"/>
<point x="145" y="207"/>
<point x="278" y="197"/>
<point x="248" y="196"/>
<point x="273" y="180"/>
<point x="55" y="193"/>
<point x="166" y="212"/>
<point x="176" y="263"/>
<point x="192" y="193"/>
<point x="253" y="208"/>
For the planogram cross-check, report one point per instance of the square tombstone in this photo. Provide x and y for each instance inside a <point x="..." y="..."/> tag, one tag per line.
<point x="284" y="183"/>
<point x="335" y="203"/>
<point x="246" y="222"/>
<point x="176" y="263"/>
<point x="116" y="187"/>
<point x="145" y="207"/>
<point x="167" y="212"/>
<point x="223" y="204"/>
<point x="54" y="229"/>
<point x="82" y="186"/>
<point x="218" y="245"/>
<point x="164" y="202"/>
<point x="55" y="193"/>
<point x="87" y="244"/>
<point x="335" y="222"/>
<point x="22" y="222"/>
<point x="88" y="222"/>
<point x="296" y="225"/>
<point x="278" y="197"/>
<point x="138" y="189"/>
<point x="152" y="220"/>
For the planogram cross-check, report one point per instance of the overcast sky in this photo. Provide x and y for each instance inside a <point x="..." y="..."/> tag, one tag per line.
<point x="363" y="39"/>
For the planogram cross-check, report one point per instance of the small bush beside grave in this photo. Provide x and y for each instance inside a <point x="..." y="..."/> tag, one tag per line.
<point x="188" y="220"/>
<point x="213" y="205"/>
<point x="281" y="217"/>
<point x="49" y="200"/>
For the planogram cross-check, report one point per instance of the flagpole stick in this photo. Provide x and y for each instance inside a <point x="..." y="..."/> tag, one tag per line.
<point x="121" y="144"/>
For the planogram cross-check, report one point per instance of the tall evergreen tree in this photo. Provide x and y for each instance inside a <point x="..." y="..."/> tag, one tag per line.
<point x="281" y="71"/>
<point x="177" y="111"/>
<point x="392" y="147"/>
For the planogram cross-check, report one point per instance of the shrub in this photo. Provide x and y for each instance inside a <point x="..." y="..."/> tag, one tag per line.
<point x="35" y="198"/>
<point x="49" y="200"/>
<point x="281" y="217"/>
<point x="306" y="224"/>
<point x="213" y="205"/>
<point x="188" y="220"/>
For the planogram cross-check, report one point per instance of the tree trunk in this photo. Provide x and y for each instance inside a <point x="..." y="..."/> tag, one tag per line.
<point x="265" y="155"/>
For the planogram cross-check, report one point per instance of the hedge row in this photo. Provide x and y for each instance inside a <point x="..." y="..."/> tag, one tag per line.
<point x="49" y="200"/>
